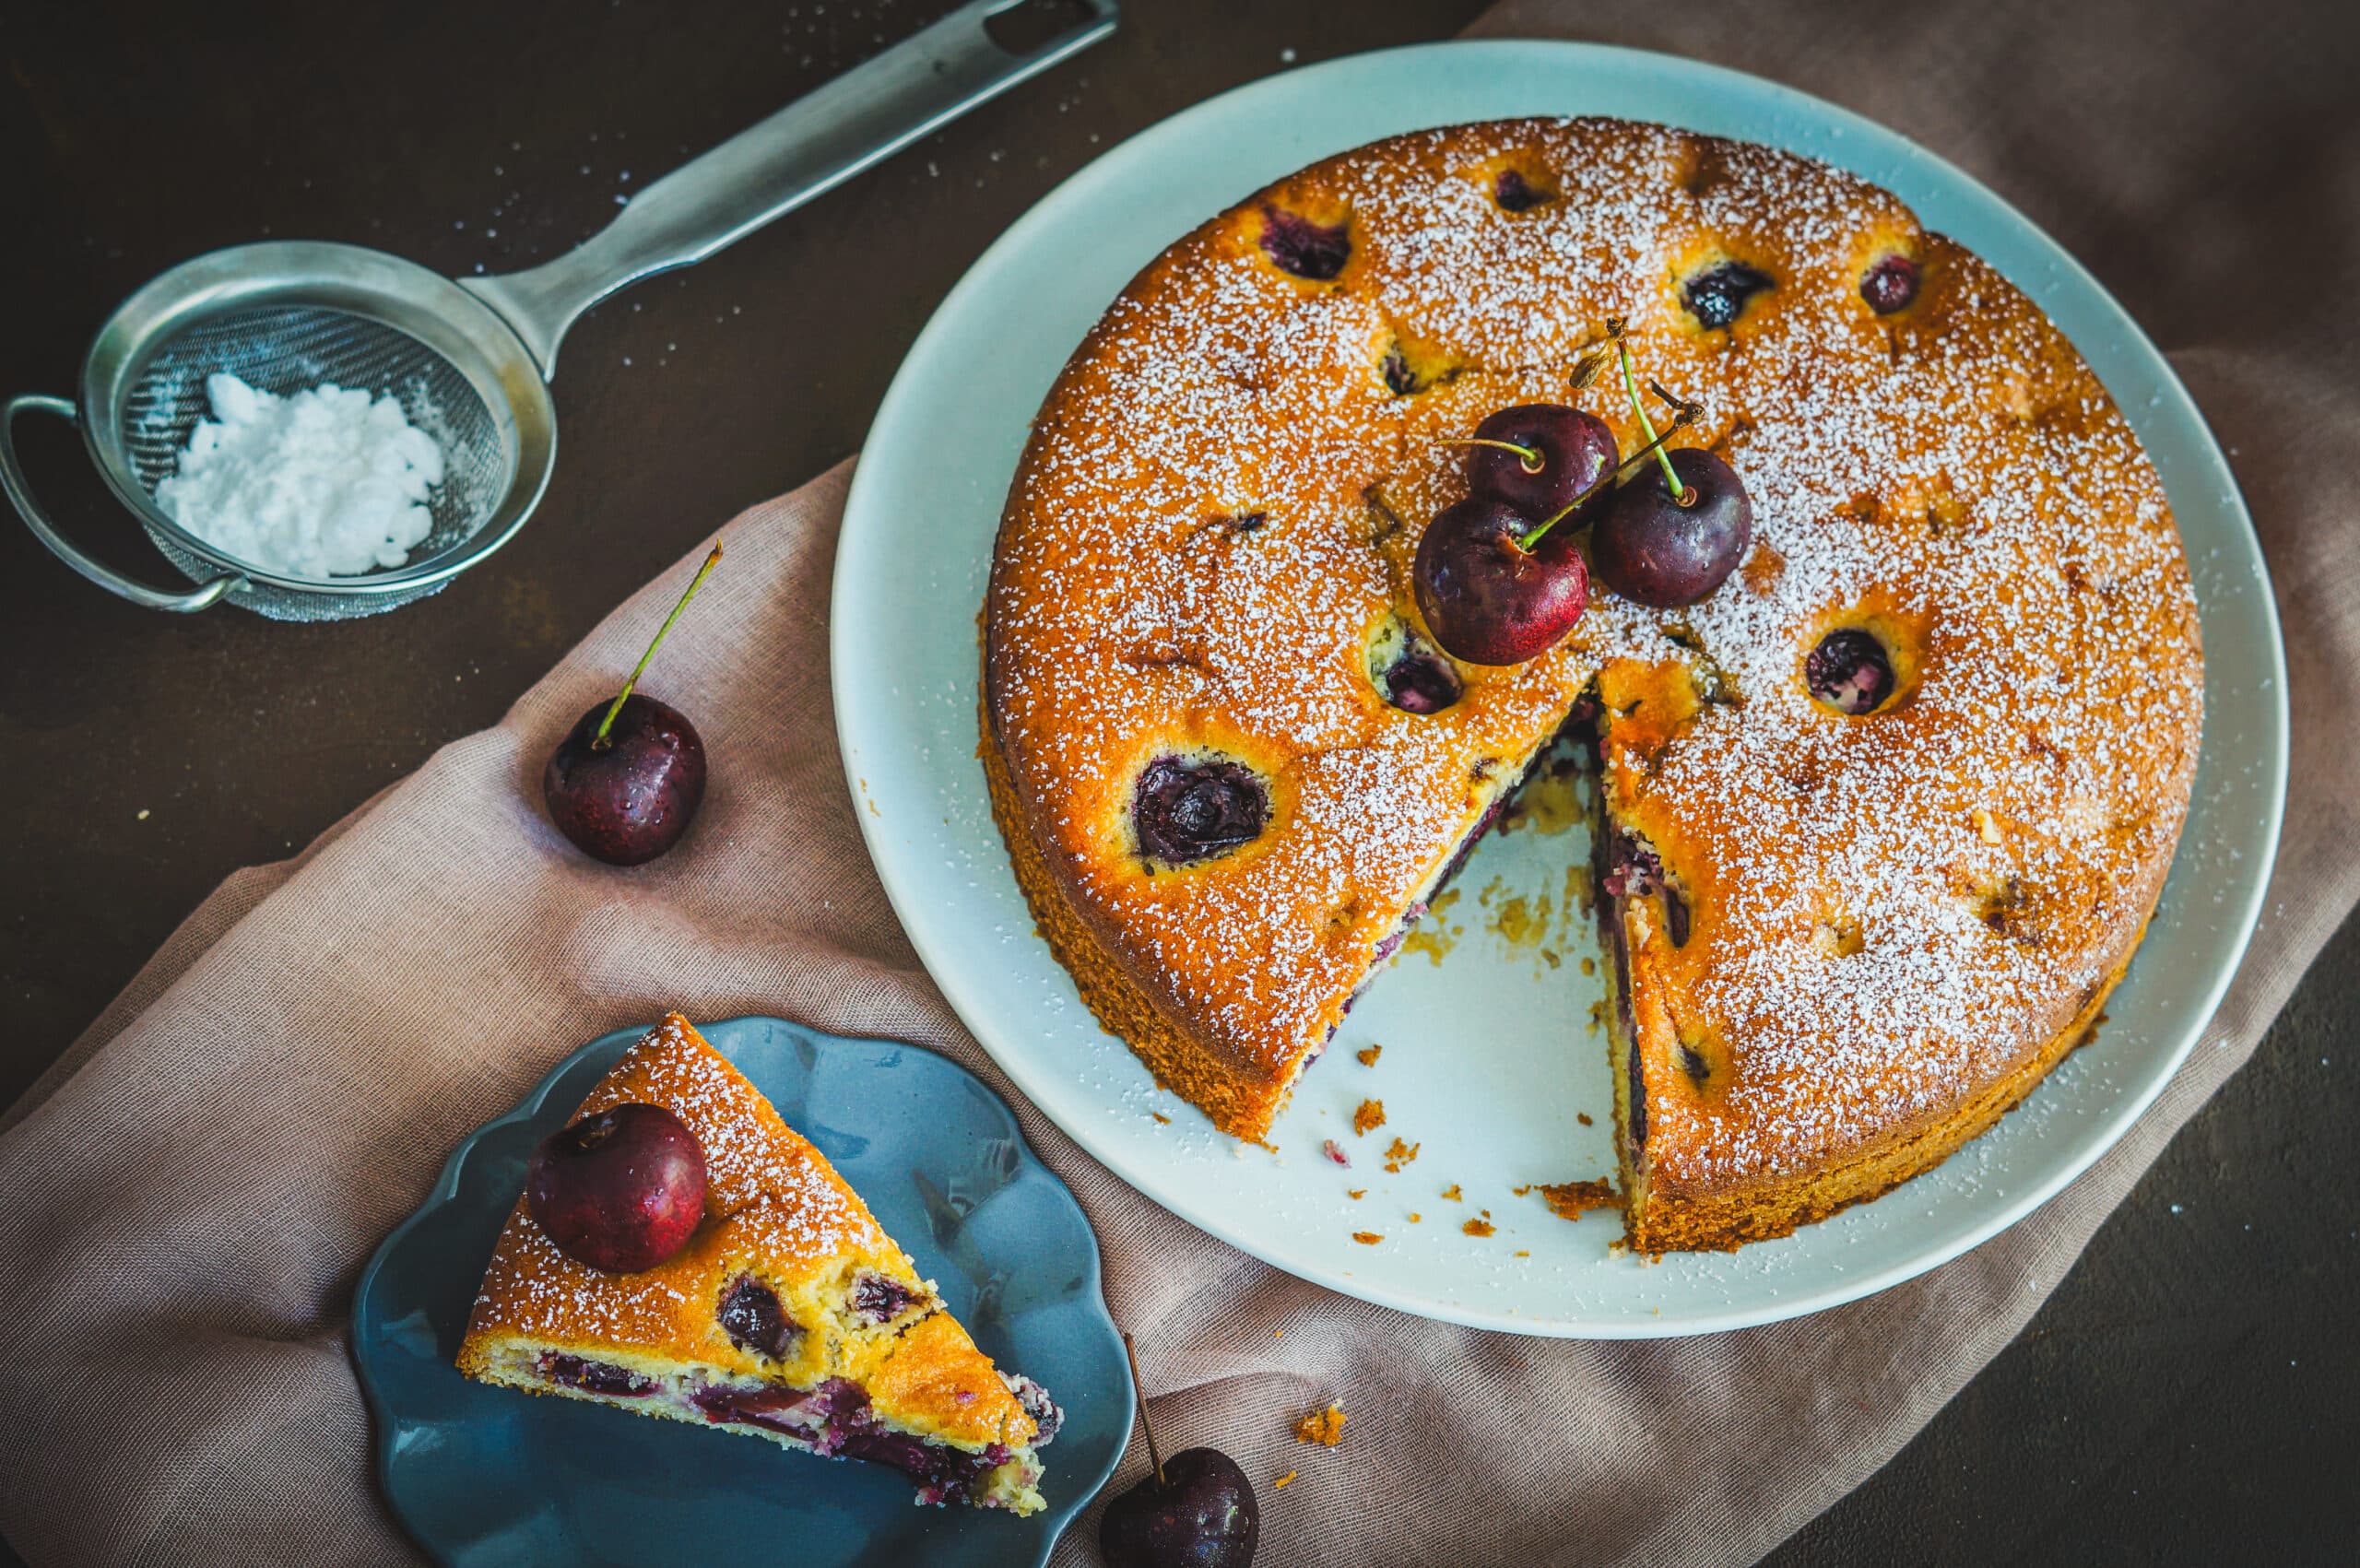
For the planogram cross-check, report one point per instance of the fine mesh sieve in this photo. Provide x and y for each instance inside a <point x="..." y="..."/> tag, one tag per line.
<point x="470" y="362"/>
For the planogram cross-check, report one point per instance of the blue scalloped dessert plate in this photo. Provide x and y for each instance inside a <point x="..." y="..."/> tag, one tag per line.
<point x="484" y="1476"/>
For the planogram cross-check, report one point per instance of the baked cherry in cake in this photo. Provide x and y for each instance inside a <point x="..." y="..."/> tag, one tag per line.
<point x="1718" y="295"/>
<point x="1187" y="809"/>
<point x="1849" y="671"/>
<point x="1887" y="897"/>
<point x="1890" y="285"/>
<point x="787" y="1313"/>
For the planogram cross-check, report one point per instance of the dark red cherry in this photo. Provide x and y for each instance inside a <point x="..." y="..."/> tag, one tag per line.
<point x="1296" y="244"/>
<point x="1485" y="597"/>
<point x="629" y="798"/>
<point x="1419" y="681"/>
<point x="752" y="1315"/>
<point x="1716" y="296"/>
<point x="1849" y="671"/>
<point x="1188" y="809"/>
<point x="880" y="1298"/>
<point x="1517" y="194"/>
<point x="1890" y="285"/>
<point x="1565" y="451"/>
<point x="621" y="1190"/>
<point x="1654" y="551"/>
<point x="627" y="780"/>
<point x="1203" y="1516"/>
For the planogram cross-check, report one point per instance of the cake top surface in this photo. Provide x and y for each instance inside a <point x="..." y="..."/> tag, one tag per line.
<point x="1213" y="525"/>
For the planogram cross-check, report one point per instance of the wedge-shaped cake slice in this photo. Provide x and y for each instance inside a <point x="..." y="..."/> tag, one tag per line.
<point x="789" y="1314"/>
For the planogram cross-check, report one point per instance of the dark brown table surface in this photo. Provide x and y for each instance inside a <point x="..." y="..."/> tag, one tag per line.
<point x="2188" y="1393"/>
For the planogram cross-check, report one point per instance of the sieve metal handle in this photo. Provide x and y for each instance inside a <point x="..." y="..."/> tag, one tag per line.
<point x="12" y="480"/>
<point x="813" y="144"/>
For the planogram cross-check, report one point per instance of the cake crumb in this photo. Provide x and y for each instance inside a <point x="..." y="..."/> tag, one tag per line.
<point x="1166" y="1120"/>
<point x="1583" y="1116"/>
<point x="1415" y="1217"/>
<point x="1527" y="1251"/>
<point x="1451" y="1192"/>
<point x="1484" y="1227"/>
<point x="1367" y="1238"/>
<point x="1356" y="1192"/>
<point x="1323" y="1427"/>
<point x="1568" y="1200"/>
<point x="1280" y="1485"/>
<point x="1399" y="1154"/>
<point x="1527" y="1187"/>
<point x="1369" y="1117"/>
<point x="1369" y="1055"/>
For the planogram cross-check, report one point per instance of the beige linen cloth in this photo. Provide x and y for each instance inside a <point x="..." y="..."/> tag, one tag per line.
<point x="190" y="1195"/>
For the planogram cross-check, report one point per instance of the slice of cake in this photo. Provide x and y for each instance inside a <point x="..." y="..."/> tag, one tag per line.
<point x="789" y="1314"/>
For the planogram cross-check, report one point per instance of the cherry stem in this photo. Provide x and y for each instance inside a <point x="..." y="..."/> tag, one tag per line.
<point x="599" y="742"/>
<point x="1686" y="415"/>
<point x="1531" y="458"/>
<point x="1138" y="1392"/>
<point x="1680" y="492"/>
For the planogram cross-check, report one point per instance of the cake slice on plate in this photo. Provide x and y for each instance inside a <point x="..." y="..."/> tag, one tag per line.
<point x="786" y="1311"/>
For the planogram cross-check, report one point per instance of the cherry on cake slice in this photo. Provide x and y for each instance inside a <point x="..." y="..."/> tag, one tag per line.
<point x="776" y="1306"/>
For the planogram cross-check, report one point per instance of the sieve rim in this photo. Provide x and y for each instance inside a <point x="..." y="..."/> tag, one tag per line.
<point x="375" y="286"/>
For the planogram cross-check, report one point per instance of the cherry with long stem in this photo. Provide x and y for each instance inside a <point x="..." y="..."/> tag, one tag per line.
<point x="1680" y="492"/>
<point x="1685" y="415"/>
<point x="599" y="742"/>
<point x="1529" y="458"/>
<point x="1146" y="1428"/>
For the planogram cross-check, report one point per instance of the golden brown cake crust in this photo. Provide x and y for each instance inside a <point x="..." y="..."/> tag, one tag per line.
<point x="1896" y="917"/>
<point x="775" y="1208"/>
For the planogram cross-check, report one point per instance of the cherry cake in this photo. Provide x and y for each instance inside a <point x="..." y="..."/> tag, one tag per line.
<point x="1880" y="817"/>
<point x="789" y="1314"/>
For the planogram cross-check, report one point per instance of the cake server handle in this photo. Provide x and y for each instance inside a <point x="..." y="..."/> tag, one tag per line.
<point x="814" y="143"/>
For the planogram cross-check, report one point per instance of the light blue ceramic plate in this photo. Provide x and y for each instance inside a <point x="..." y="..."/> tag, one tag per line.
<point x="486" y="1477"/>
<point x="1481" y="1066"/>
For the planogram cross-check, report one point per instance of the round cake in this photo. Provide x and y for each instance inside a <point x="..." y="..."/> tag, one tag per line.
<point x="1879" y="820"/>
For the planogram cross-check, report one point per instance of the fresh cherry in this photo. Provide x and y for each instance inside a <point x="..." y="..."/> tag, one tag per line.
<point x="621" y="1190"/>
<point x="1199" y="1511"/>
<point x="625" y="782"/>
<point x="627" y="778"/>
<point x="1664" y="548"/>
<point x="1539" y="458"/>
<point x="1486" y="597"/>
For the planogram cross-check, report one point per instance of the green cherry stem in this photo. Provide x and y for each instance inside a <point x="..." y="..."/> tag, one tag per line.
<point x="1530" y="457"/>
<point x="1138" y="1392"/>
<point x="599" y="742"/>
<point x="1686" y="415"/>
<point x="1680" y="491"/>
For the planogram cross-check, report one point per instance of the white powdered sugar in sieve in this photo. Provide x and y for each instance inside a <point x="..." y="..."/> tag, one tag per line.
<point x="328" y="481"/>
